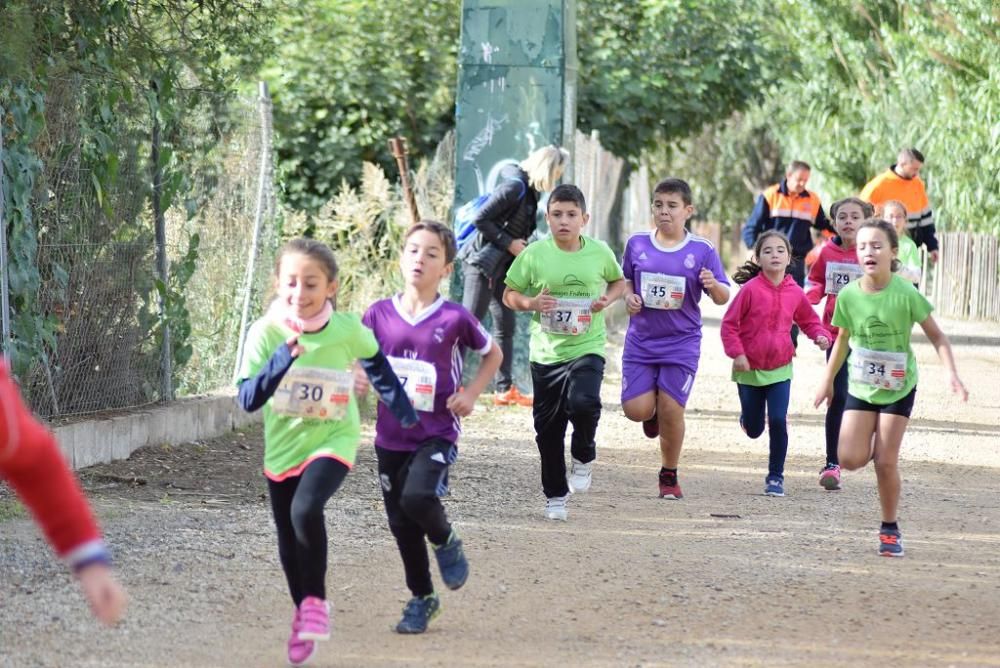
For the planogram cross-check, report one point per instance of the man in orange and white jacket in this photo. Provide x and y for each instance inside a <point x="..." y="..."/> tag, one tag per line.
<point x="902" y="182"/>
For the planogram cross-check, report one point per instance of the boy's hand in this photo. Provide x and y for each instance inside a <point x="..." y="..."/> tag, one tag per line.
<point x="544" y="302"/>
<point x="106" y="597"/>
<point x="461" y="403"/>
<point x="599" y="304"/>
<point x="958" y="388"/>
<point x="360" y="381"/>
<point x="707" y="279"/>
<point x="633" y="304"/>
<point x="293" y="346"/>
<point x="741" y="363"/>
<point x="822" y="343"/>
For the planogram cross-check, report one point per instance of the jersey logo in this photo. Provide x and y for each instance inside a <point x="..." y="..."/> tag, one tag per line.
<point x="642" y="256"/>
<point x="689" y="261"/>
<point x="438" y="334"/>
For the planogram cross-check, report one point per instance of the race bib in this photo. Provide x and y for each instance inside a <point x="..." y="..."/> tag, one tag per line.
<point x="322" y="394"/>
<point x="911" y="274"/>
<point x="839" y="274"/>
<point x="884" y="370"/>
<point x="662" y="291"/>
<point x="570" y="316"/>
<point x="419" y="379"/>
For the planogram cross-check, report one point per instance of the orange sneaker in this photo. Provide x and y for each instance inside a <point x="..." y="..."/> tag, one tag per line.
<point x="512" y="397"/>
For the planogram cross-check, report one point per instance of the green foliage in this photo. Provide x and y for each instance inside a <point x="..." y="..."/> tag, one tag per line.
<point x="83" y="83"/>
<point x="347" y="76"/>
<point x="655" y="72"/>
<point x="920" y="74"/>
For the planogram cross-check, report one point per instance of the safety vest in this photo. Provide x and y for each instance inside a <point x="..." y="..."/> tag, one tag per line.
<point x="793" y="215"/>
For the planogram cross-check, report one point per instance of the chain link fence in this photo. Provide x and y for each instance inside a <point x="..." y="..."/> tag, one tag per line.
<point x="102" y="302"/>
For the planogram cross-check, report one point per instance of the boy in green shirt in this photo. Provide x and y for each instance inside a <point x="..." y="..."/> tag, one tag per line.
<point x="568" y="280"/>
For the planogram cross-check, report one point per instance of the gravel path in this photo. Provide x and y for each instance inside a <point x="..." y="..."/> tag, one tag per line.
<point x="724" y="577"/>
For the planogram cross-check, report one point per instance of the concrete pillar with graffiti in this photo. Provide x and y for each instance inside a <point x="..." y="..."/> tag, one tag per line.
<point x="516" y="86"/>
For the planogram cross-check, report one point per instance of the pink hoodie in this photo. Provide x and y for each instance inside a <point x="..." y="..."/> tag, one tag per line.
<point x="830" y="252"/>
<point x="758" y="321"/>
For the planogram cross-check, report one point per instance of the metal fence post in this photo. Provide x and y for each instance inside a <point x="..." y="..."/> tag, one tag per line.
<point x="263" y="102"/>
<point x="4" y="295"/>
<point x="162" y="267"/>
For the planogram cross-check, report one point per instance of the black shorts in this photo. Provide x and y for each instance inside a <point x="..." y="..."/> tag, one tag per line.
<point x="902" y="406"/>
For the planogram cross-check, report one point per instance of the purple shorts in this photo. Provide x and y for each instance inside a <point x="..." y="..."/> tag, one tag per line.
<point x="639" y="378"/>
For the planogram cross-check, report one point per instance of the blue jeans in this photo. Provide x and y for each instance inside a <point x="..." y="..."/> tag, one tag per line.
<point x="774" y="397"/>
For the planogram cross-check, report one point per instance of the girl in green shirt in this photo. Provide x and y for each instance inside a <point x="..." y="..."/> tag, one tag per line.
<point x="875" y="315"/>
<point x="894" y="213"/>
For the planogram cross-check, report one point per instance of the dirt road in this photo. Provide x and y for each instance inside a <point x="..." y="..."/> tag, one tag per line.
<point x="725" y="577"/>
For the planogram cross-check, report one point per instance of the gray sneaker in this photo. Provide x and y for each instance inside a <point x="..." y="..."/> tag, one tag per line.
<point x="555" y="508"/>
<point x="580" y="476"/>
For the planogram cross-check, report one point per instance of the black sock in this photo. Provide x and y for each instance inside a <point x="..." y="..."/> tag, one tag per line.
<point x="890" y="526"/>
<point x="663" y="470"/>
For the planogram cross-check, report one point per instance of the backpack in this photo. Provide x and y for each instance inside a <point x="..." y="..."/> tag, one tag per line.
<point x="465" y="217"/>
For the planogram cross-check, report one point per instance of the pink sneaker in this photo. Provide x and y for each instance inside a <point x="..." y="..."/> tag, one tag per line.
<point x="829" y="478"/>
<point x="299" y="651"/>
<point x="314" y="619"/>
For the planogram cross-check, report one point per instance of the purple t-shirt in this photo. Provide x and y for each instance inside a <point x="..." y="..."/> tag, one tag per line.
<point x="426" y="352"/>
<point x="667" y="336"/>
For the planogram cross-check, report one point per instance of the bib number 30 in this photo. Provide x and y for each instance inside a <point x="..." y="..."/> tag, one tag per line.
<point x="321" y="394"/>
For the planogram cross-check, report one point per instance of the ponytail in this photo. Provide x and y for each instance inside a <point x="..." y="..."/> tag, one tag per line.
<point x="746" y="272"/>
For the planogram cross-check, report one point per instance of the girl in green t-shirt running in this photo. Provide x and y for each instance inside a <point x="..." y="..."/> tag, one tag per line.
<point x="894" y="212"/>
<point x="875" y="315"/>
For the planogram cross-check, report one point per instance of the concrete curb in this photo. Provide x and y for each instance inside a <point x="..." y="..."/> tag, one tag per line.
<point x="102" y="440"/>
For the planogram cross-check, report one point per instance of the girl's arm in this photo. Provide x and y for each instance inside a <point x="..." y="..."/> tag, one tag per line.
<point x="817" y="280"/>
<point x="807" y="320"/>
<point x="730" y="329"/>
<point x="254" y="392"/>
<point x="390" y="390"/>
<point x="943" y="348"/>
<point x="837" y="357"/>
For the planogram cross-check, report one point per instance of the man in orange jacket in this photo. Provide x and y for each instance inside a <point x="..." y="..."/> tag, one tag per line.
<point x="902" y="182"/>
<point x="794" y="211"/>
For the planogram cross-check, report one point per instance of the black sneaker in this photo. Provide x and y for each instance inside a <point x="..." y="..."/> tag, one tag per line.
<point x="418" y="613"/>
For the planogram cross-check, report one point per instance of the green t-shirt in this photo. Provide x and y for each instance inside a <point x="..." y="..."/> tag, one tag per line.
<point x="290" y="442"/>
<point x="763" y="377"/>
<point x="880" y="322"/>
<point x="909" y="258"/>
<point x="575" y="277"/>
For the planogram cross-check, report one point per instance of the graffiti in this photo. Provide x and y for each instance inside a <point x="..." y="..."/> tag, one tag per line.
<point x="484" y="137"/>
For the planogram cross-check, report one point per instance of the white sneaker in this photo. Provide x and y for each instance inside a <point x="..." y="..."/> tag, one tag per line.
<point x="580" y="476"/>
<point x="555" y="508"/>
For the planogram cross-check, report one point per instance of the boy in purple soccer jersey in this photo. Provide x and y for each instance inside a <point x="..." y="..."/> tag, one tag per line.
<point x="425" y="339"/>
<point x="666" y="270"/>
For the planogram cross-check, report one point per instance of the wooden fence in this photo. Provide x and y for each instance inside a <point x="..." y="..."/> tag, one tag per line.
<point x="597" y="171"/>
<point x="965" y="283"/>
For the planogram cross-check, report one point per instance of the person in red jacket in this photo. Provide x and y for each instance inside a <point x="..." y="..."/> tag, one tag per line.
<point x="31" y="462"/>
<point x="755" y="334"/>
<point x="835" y="267"/>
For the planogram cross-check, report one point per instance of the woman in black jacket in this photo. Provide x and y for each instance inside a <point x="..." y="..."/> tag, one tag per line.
<point x="504" y="223"/>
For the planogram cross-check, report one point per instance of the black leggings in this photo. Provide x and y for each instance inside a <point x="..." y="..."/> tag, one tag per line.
<point x="569" y="392"/>
<point x="480" y="293"/>
<point x="412" y="481"/>
<point x="835" y="411"/>
<point x="297" y="504"/>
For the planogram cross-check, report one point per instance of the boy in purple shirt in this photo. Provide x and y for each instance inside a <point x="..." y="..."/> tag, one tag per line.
<point x="666" y="270"/>
<point x="425" y="339"/>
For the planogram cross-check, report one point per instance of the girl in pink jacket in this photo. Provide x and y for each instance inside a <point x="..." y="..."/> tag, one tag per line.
<point x="755" y="335"/>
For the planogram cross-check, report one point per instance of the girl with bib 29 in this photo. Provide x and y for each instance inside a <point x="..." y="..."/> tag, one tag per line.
<point x="298" y="368"/>
<point x="875" y="315"/>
